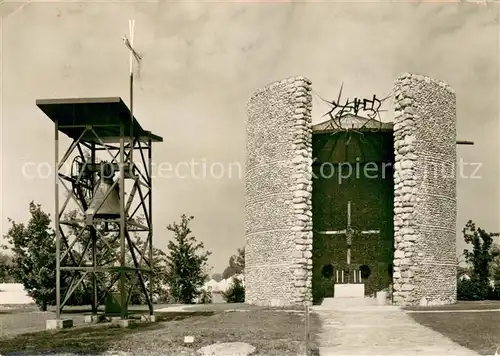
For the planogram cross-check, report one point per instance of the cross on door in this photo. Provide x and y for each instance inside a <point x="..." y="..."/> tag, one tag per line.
<point x="349" y="233"/>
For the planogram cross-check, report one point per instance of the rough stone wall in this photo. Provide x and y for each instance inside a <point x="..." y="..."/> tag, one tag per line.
<point x="425" y="192"/>
<point x="278" y="181"/>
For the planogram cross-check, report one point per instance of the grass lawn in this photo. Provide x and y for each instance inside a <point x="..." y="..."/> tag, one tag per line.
<point x="462" y="305"/>
<point x="478" y="331"/>
<point x="272" y="332"/>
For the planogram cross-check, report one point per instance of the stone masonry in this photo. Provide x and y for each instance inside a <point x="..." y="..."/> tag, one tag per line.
<point x="425" y="204"/>
<point x="278" y="182"/>
<point x="278" y="266"/>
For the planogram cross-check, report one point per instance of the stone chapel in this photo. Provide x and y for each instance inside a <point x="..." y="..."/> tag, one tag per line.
<point x="331" y="212"/>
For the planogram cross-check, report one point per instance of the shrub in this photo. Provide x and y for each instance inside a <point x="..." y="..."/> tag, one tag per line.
<point x="236" y="264"/>
<point x="5" y="269"/>
<point x="33" y="263"/>
<point x="162" y="296"/>
<point x="481" y="262"/>
<point x="494" y="294"/>
<point x="235" y="293"/>
<point x="472" y="289"/>
<point x="206" y="296"/>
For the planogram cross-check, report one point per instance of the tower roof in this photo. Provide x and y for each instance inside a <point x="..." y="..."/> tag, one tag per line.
<point x="73" y="114"/>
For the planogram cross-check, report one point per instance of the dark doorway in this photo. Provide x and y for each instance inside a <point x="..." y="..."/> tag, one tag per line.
<point x="341" y="168"/>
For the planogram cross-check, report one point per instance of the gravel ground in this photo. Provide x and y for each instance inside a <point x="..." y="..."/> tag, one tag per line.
<point x="19" y="319"/>
<point x="262" y="328"/>
<point x="271" y="332"/>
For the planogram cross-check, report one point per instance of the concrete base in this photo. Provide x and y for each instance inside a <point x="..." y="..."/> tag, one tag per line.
<point x="58" y="324"/>
<point x="148" y="318"/>
<point x="122" y="323"/>
<point x="93" y="319"/>
<point x="349" y="290"/>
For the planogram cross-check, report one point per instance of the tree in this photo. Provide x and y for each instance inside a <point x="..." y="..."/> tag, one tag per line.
<point x="186" y="263"/>
<point x="480" y="259"/>
<point x="495" y="273"/>
<point x="235" y="293"/>
<point x="34" y="263"/>
<point x="217" y="277"/>
<point x="236" y="264"/>
<point x="240" y="260"/>
<point x="5" y="265"/>
<point x="160" y="292"/>
<point x="34" y="260"/>
<point x="207" y="270"/>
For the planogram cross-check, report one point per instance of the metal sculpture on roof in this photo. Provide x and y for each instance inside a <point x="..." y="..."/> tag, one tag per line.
<point x="346" y="129"/>
<point x="370" y="108"/>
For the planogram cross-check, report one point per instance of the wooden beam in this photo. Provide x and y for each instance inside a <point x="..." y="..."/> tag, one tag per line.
<point x="143" y="139"/>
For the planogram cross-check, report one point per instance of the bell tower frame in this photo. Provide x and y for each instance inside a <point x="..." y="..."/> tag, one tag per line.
<point x="114" y="260"/>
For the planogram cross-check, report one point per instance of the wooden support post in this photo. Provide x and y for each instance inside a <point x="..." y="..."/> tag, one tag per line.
<point x="307" y="333"/>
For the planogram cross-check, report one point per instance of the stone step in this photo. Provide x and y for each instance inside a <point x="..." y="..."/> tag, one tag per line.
<point x="349" y="290"/>
<point x="335" y="303"/>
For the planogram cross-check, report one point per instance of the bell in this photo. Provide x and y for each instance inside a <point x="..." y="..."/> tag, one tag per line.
<point x="110" y="208"/>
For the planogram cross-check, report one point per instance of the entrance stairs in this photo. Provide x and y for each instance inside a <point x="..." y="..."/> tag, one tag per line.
<point x="353" y="304"/>
<point x="335" y="303"/>
<point x="351" y="296"/>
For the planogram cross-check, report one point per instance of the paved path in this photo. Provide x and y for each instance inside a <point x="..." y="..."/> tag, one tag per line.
<point x="380" y="330"/>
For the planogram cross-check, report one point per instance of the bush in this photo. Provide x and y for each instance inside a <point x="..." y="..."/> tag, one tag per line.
<point x="205" y="296"/>
<point x="5" y="269"/>
<point x="33" y="262"/>
<point x="235" y="293"/>
<point x="496" y="280"/>
<point x="482" y="262"/>
<point x="163" y="296"/>
<point x="470" y="289"/>
<point x="494" y="294"/>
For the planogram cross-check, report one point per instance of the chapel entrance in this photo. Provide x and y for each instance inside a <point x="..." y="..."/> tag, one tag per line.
<point x="352" y="203"/>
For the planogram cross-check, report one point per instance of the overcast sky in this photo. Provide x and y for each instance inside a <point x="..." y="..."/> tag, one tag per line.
<point x="202" y="61"/>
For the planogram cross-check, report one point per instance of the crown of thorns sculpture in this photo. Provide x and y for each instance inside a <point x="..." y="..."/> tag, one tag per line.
<point x="339" y="112"/>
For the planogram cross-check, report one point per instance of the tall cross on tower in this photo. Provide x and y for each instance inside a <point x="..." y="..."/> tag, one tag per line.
<point x="134" y="55"/>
